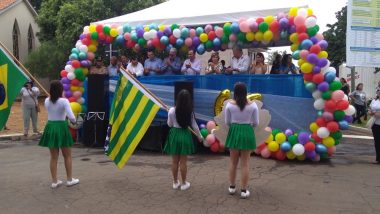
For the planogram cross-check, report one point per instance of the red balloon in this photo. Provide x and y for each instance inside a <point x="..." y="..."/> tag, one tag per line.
<point x="342" y="105"/>
<point x="102" y="36"/>
<point x="318" y="78"/>
<point x="211" y="35"/>
<point x="86" y="41"/>
<point x="156" y="42"/>
<point x="108" y="39"/>
<point x="259" y="20"/>
<point x="214" y="147"/>
<point x="308" y="77"/>
<point x="332" y="126"/>
<point x="330" y="105"/>
<point x="72" y="99"/>
<point x="75" y="63"/>
<point x="274" y="26"/>
<point x="301" y="29"/>
<point x="280" y="155"/>
<point x="63" y="73"/>
<point x="172" y="39"/>
<point x="75" y="82"/>
<point x="315" y="137"/>
<point x="309" y="146"/>
<point x="302" y="36"/>
<point x="315" y="49"/>
<point x="291" y="20"/>
<point x="99" y="28"/>
<point x="320" y="122"/>
<point x="131" y="44"/>
<point x="88" y="36"/>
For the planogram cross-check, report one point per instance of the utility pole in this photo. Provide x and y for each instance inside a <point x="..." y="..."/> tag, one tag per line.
<point x="353" y="76"/>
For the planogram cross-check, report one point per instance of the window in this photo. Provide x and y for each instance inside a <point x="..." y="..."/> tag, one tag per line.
<point x="30" y="39"/>
<point x="16" y="38"/>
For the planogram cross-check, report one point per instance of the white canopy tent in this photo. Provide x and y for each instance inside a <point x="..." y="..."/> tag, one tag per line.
<point x="202" y="12"/>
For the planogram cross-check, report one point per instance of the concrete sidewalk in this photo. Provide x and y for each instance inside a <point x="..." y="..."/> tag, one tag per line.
<point x="348" y="183"/>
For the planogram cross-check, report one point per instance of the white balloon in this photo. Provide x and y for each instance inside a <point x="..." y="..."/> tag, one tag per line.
<point x="78" y="44"/>
<point x="71" y="76"/>
<point x="319" y="104"/>
<point x="251" y="21"/>
<point x="323" y="132"/>
<point x="302" y="12"/>
<point x="83" y="48"/>
<point x="146" y="36"/>
<point x="310" y="22"/>
<point x="345" y="98"/>
<point x="298" y="149"/>
<point x="350" y="110"/>
<point x="153" y="34"/>
<point x="80" y="100"/>
<point x="317" y="94"/>
<point x="331" y="69"/>
<point x="120" y="30"/>
<point x="69" y="68"/>
<point x="205" y="143"/>
<point x="86" y="29"/>
<point x="177" y="33"/>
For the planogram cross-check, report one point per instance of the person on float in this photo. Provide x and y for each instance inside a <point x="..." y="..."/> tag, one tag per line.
<point x="374" y="111"/>
<point x="275" y="69"/>
<point x="113" y="68"/>
<point x="241" y="115"/>
<point x="152" y="65"/>
<point x="239" y="62"/>
<point x="56" y="134"/>
<point x="258" y="66"/>
<point x="287" y="66"/>
<point x="214" y="66"/>
<point x="360" y="99"/>
<point x="171" y="64"/>
<point x="99" y="67"/>
<point x="179" y="142"/>
<point x="124" y="61"/>
<point x="345" y="86"/>
<point x="29" y="102"/>
<point x="192" y="65"/>
<point x="135" y="67"/>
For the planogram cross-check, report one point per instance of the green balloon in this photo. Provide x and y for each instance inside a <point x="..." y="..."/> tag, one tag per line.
<point x="204" y="133"/>
<point x="78" y="71"/>
<point x="316" y="27"/>
<point x="337" y="135"/>
<point x="241" y="37"/>
<point x="209" y="45"/>
<point x="227" y="29"/>
<point x="174" y="26"/>
<point x="339" y="115"/>
<point x="263" y="26"/>
<point x="326" y="95"/>
<point x="337" y="142"/>
<point x="107" y="30"/>
<point x="275" y="132"/>
<point x="312" y="31"/>
<point x="84" y="109"/>
<point x="335" y="85"/>
<point x="81" y="77"/>
<point x="310" y="87"/>
<point x="293" y="139"/>
<point x="142" y="42"/>
<point x="324" y="156"/>
<point x="94" y="36"/>
<point x="296" y="55"/>
<point x="134" y="37"/>
<point x="225" y="39"/>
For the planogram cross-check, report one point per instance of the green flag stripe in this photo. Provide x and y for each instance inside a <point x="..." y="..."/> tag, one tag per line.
<point x="134" y="130"/>
<point x="127" y="116"/>
<point x="124" y="96"/>
<point x="113" y="101"/>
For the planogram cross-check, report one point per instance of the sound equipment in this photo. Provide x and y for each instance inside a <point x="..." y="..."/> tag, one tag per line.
<point x="97" y="92"/>
<point x="179" y="85"/>
<point x="155" y="137"/>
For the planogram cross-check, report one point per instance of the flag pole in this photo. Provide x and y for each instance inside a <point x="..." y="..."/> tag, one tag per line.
<point x="24" y="69"/>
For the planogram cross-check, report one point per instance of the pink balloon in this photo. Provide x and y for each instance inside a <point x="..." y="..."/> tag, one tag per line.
<point x="265" y="153"/>
<point x="304" y="54"/>
<point x="253" y="26"/>
<point x="268" y="129"/>
<point x="77" y="94"/>
<point x="188" y="42"/>
<point x="338" y="95"/>
<point x="208" y="28"/>
<point x="299" y="20"/>
<point x="242" y="19"/>
<point x="280" y="16"/>
<point x="244" y="27"/>
<point x="319" y="36"/>
<point x="149" y="44"/>
<point x="233" y="38"/>
<point x="280" y="155"/>
<point x="192" y="33"/>
<point x="219" y="32"/>
<point x="210" y="126"/>
<point x="331" y="150"/>
<point x="328" y="116"/>
<point x="90" y="56"/>
<point x="210" y="139"/>
<point x="127" y="36"/>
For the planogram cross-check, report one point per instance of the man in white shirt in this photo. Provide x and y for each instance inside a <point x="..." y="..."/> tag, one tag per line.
<point x="135" y="67"/>
<point x="113" y="68"/>
<point x="191" y="66"/>
<point x="239" y="62"/>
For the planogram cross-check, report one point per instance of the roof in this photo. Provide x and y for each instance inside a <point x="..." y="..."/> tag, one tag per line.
<point x="6" y="5"/>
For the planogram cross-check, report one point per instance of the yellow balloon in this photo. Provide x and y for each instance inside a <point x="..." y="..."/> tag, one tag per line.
<point x="74" y="88"/>
<point x="290" y="155"/>
<point x="294" y="47"/>
<point x="328" y="142"/>
<point x="313" y="127"/>
<point x="113" y="32"/>
<point x="81" y="89"/>
<point x="92" y="28"/>
<point x="259" y="36"/>
<point x="76" y="107"/>
<point x="268" y="19"/>
<point x="203" y="37"/>
<point x="307" y="68"/>
<point x="323" y="54"/>
<point x="94" y="42"/>
<point x="309" y="11"/>
<point x="161" y="27"/>
<point x="184" y="49"/>
<point x="301" y="62"/>
<point x="269" y="139"/>
<point x="293" y="11"/>
<point x="146" y="28"/>
<point x="85" y="71"/>
<point x="280" y="138"/>
<point x="250" y="36"/>
<point x="273" y="146"/>
<point x="293" y="37"/>
<point x="301" y="157"/>
<point x="92" y="48"/>
<point x="268" y="35"/>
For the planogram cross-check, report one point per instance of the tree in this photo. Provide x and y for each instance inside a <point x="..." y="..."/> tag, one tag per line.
<point x="336" y="37"/>
<point x="36" y="4"/>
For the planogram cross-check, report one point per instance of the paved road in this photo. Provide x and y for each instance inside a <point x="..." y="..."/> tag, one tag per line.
<point x="348" y="183"/>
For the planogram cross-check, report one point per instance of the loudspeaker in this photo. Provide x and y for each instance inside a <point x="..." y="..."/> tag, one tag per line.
<point x="155" y="137"/>
<point x="95" y="132"/>
<point x="97" y="93"/>
<point x="179" y="85"/>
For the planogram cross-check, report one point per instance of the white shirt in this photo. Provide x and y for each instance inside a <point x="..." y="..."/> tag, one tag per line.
<point x="27" y="97"/>
<point x="172" y="121"/>
<point x="242" y="64"/>
<point x="138" y="69"/>
<point x="375" y="107"/>
<point x="113" y="70"/>
<point x="59" y="110"/>
<point x="195" y="67"/>
<point x="249" y="115"/>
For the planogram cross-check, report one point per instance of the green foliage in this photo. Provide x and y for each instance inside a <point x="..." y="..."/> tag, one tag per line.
<point x="336" y="37"/>
<point x="36" y="4"/>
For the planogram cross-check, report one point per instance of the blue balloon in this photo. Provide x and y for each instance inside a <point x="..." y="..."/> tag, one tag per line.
<point x="199" y="30"/>
<point x="164" y="40"/>
<point x="184" y="32"/>
<point x="73" y="56"/>
<point x="306" y="44"/>
<point x="343" y="125"/>
<point x="82" y="56"/>
<point x="120" y="39"/>
<point x="75" y="51"/>
<point x="153" y="26"/>
<point x="285" y="146"/>
<point x="235" y="28"/>
<point x="179" y="42"/>
<point x="201" y="49"/>
<point x="127" y="28"/>
<point x="329" y="76"/>
<point x="169" y="47"/>
<point x="320" y="148"/>
<point x="217" y="42"/>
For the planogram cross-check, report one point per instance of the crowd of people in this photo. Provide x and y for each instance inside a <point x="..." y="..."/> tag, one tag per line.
<point x="172" y="64"/>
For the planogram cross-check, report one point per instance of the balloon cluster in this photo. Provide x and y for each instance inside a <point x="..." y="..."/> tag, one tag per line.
<point x="210" y="139"/>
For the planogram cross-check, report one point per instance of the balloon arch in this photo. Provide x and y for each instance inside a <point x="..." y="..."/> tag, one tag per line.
<point x="308" y="46"/>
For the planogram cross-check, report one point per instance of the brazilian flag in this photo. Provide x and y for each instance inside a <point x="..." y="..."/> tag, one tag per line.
<point x="11" y="81"/>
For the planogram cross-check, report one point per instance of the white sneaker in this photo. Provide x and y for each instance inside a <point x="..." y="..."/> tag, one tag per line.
<point x="244" y="194"/>
<point x="55" y="185"/>
<point x="73" y="182"/>
<point x="176" y="185"/>
<point x="231" y="190"/>
<point x="185" y="186"/>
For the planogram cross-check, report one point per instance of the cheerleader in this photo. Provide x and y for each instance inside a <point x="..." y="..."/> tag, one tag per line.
<point x="56" y="134"/>
<point x="240" y="116"/>
<point x="179" y="143"/>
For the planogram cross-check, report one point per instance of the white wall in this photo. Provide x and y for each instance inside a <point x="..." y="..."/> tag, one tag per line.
<point x="362" y="75"/>
<point x="24" y="18"/>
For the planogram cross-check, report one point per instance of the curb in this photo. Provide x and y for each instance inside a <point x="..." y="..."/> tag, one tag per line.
<point x="359" y="129"/>
<point x="17" y="137"/>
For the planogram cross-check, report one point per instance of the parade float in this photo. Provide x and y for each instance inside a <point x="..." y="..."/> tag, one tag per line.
<point x="301" y="126"/>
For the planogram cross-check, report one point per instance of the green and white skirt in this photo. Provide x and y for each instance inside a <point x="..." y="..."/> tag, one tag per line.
<point x="179" y="142"/>
<point x="56" y="135"/>
<point x="241" y="136"/>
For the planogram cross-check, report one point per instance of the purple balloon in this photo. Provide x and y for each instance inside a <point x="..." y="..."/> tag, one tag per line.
<point x="68" y="62"/>
<point x="140" y="33"/>
<point x="303" y="137"/>
<point x="167" y="31"/>
<point x="316" y="69"/>
<point x="312" y="58"/>
<point x="323" y="86"/>
<point x="348" y="118"/>
<point x="311" y="154"/>
<point x="328" y="116"/>
<point x="283" y="23"/>
<point x="66" y="87"/>
<point x="83" y="63"/>
<point x="314" y="40"/>
<point x="196" y="41"/>
<point x="254" y="27"/>
<point x="292" y="29"/>
<point x="64" y="80"/>
<point x="82" y="36"/>
<point x="68" y="94"/>
<point x="255" y="44"/>
<point x="323" y="44"/>
<point x="288" y="132"/>
<point x="202" y="126"/>
<point x="322" y="62"/>
<point x="160" y="34"/>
